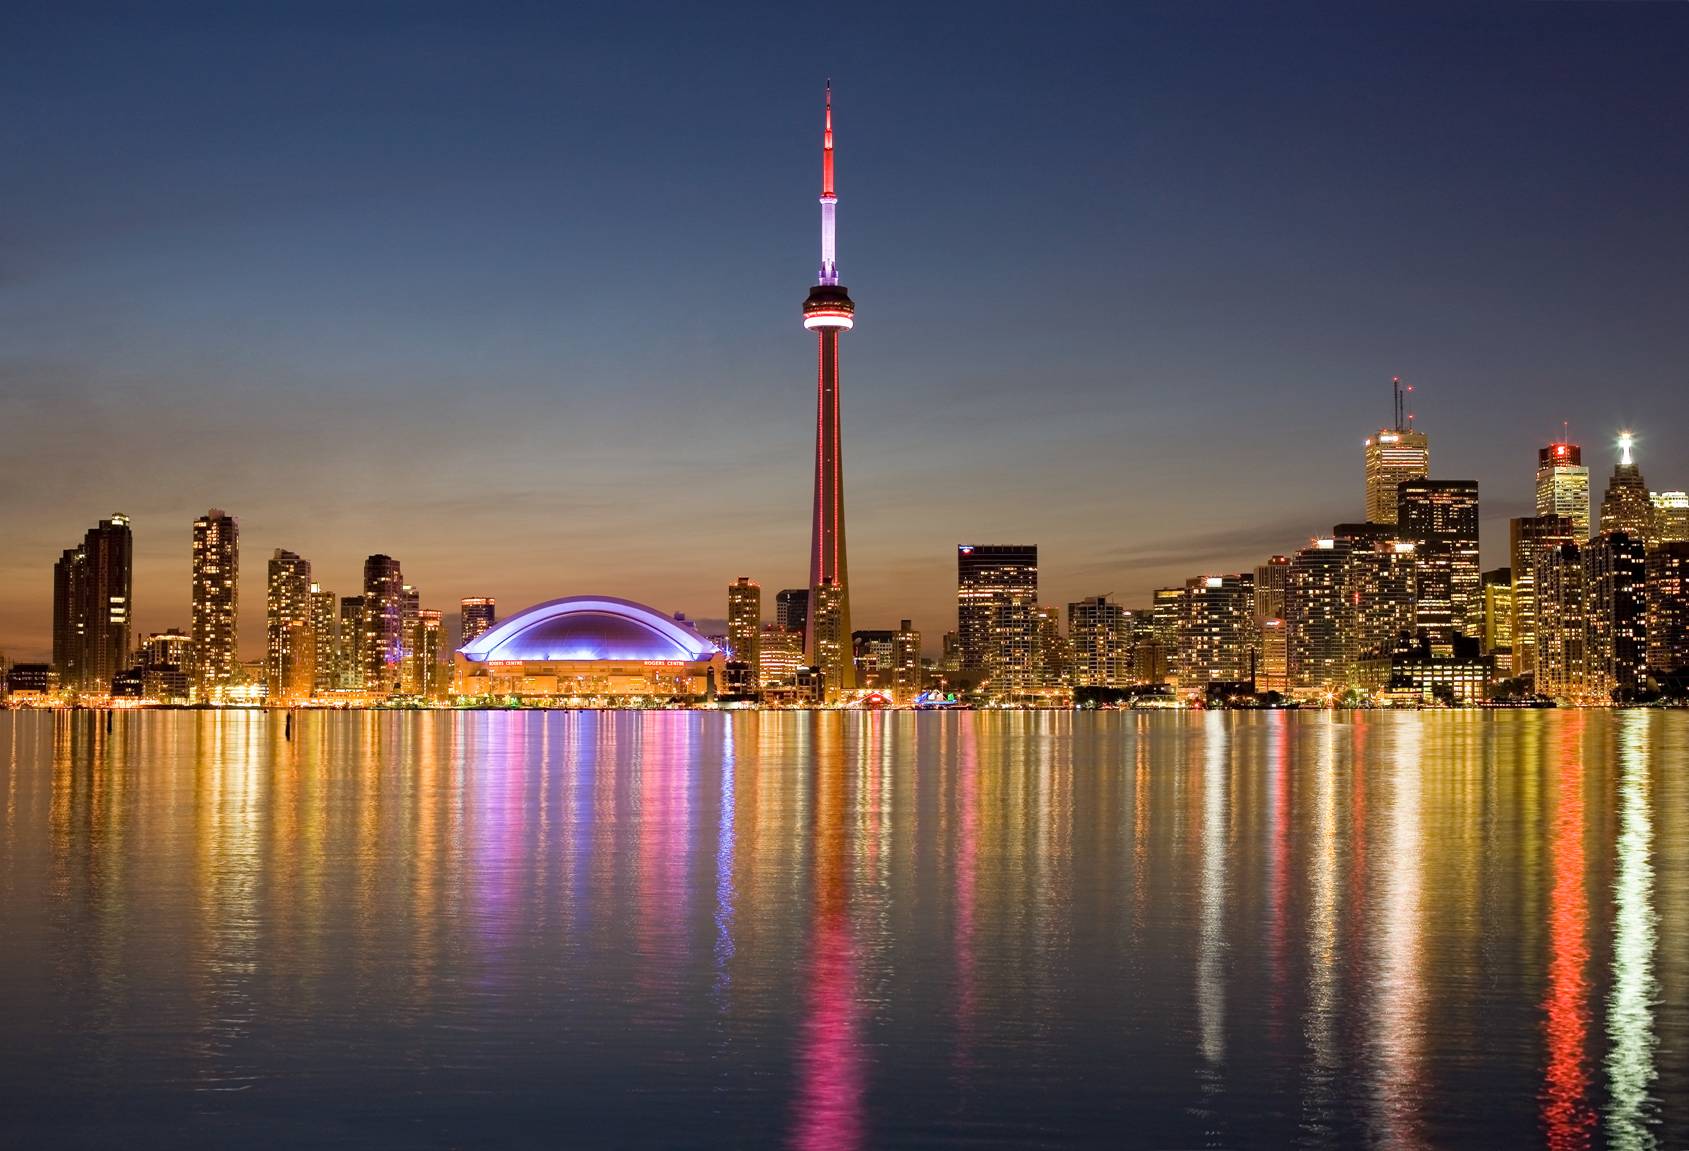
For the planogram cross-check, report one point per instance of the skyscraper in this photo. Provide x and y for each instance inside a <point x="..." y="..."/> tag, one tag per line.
<point x="744" y="624"/>
<point x="93" y="607"/>
<point x="1668" y="609"/>
<point x="1394" y="454"/>
<point x="325" y="638"/>
<point x="290" y="655"/>
<point x="354" y="643"/>
<point x="1381" y="579"/>
<point x="791" y="609"/>
<point x="996" y="609"/>
<point x="827" y="312"/>
<point x="1527" y="536"/>
<point x="1626" y="507"/>
<point x="478" y="615"/>
<point x="1317" y="616"/>
<point x="384" y="625"/>
<point x="1615" y="575"/>
<point x="1562" y="622"/>
<point x="1440" y="517"/>
<point x="1563" y="486"/>
<point x="1270" y="579"/>
<point x="906" y="663"/>
<point x="216" y="602"/>
<point x="1671" y="518"/>
<point x="1498" y="619"/>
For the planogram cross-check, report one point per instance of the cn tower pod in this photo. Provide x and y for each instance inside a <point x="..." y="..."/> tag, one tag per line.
<point x="829" y="306"/>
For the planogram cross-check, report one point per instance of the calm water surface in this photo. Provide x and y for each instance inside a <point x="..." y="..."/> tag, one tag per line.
<point x="845" y="930"/>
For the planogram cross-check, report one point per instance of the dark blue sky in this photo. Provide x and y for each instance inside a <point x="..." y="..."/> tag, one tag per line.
<point x="511" y="291"/>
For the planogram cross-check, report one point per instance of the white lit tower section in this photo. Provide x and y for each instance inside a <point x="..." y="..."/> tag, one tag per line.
<point x="827" y="312"/>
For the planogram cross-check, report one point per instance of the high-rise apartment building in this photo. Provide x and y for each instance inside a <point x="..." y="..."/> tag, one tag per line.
<point x="427" y="654"/>
<point x="1099" y="634"/>
<point x="1527" y="536"/>
<point x="744" y="624"/>
<point x="1668" y="609"/>
<point x="1318" y="615"/>
<point x="1440" y="517"/>
<point x="1615" y="582"/>
<point x="1382" y="578"/>
<point x="1272" y="668"/>
<point x="1055" y="655"/>
<point x="1217" y="641"/>
<point x="1394" y="454"/>
<point x="1563" y="486"/>
<point x="216" y="603"/>
<point x="93" y="607"/>
<point x="996" y="609"/>
<point x="1562" y="622"/>
<point x="325" y="638"/>
<point x="477" y="616"/>
<point x="1626" y="507"/>
<point x="290" y="654"/>
<point x="384" y="611"/>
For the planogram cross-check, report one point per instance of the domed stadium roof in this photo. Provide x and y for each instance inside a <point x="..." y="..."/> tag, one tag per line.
<point x="589" y="627"/>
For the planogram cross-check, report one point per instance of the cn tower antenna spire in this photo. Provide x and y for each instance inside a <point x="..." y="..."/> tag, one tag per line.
<point x="829" y="259"/>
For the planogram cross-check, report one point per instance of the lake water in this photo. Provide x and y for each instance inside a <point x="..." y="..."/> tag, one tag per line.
<point x="845" y="930"/>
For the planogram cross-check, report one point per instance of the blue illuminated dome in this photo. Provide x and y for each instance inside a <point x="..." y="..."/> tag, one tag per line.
<point x="588" y="627"/>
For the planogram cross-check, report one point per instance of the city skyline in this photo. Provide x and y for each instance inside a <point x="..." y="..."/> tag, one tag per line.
<point x="150" y="395"/>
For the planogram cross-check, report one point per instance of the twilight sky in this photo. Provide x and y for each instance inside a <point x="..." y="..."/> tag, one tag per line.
<point x="511" y="292"/>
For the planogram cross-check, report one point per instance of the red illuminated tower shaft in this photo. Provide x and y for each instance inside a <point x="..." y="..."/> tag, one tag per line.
<point x="828" y="312"/>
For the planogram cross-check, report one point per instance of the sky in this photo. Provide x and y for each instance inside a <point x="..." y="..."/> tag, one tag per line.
<point x="512" y="291"/>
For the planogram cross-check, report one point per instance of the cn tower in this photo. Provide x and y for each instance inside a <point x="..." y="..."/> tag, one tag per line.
<point x="827" y="312"/>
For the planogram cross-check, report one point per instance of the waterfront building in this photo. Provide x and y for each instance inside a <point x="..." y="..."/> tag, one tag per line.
<point x="1217" y="641"/>
<point x="1440" y="517"/>
<point x="1498" y="620"/>
<point x="1562" y="623"/>
<point x="1527" y="535"/>
<point x="1615" y="579"/>
<point x="477" y="615"/>
<point x="32" y="682"/>
<point x="1413" y="674"/>
<point x="1626" y="507"/>
<point x="1563" y="486"/>
<point x="1270" y="579"/>
<point x="906" y="664"/>
<point x="325" y="639"/>
<point x="1668" y="611"/>
<point x="1394" y="454"/>
<point x="1099" y="635"/>
<point x="780" y="652"/>
<point x="996" y="608"/>
<point x="744" y="624"/>
<point x="1318" y="616"/>
<point x="290" y="654"/>
<point x="1671" y="517"/>
<point x="590" y="647"/>
<point x="93" y="607"/>
<point x="828" y="312"/>
<point x="216" y="604"/>
<point x="353" y="648"/>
